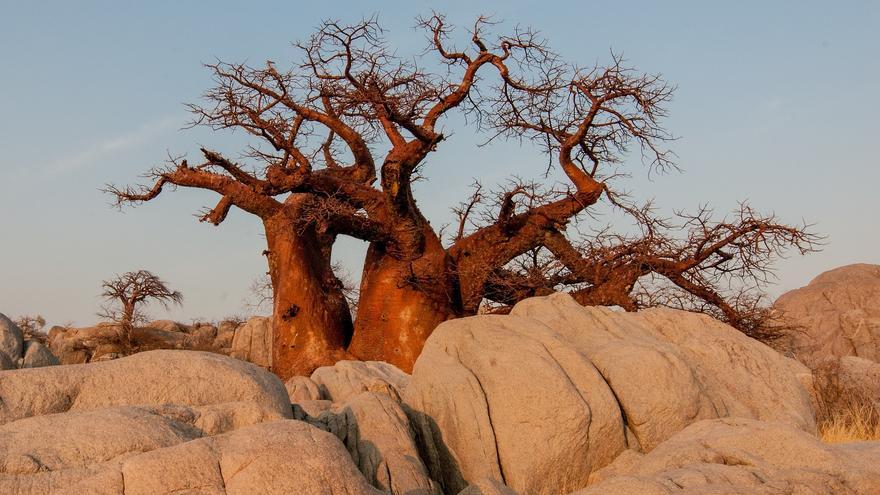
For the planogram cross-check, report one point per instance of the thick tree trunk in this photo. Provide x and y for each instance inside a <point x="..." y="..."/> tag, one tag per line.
<point x="401" y="302"/>
<point x="311" y="319"/>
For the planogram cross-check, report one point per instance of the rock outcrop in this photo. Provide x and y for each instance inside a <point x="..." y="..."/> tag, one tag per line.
<point x="302" y="388"/>
<point x="742" y="456"/>
<point x="137" y="450"/>
<point x="225" y="336"/>
<point x="374" y="428"/>
<point x="18" y="350"/>
<point x="102" y="341"/>
<point x="37" y="355"/>
<point x="541" y="398"/>
<point x="154" y="377"/>
<point x="379" y="437"/>
<point x="837" y="314"/>
<point x="346" y="379"/>
<point x="252" y="342"/>
<point x="169" y="422"/>
<point x="281" y="457"/>
<point x="842" y="385"/>
<point x="11" y="339"/>
<point x="5" y="362"/>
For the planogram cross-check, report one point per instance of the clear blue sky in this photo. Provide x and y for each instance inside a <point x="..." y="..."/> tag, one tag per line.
<point x="777" y="103"/>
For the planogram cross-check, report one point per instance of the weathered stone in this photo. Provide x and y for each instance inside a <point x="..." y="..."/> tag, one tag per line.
<point x="253" y="342"/>
<point x="743" y="456"/>
<point x="225" y="334"/>
<point x="842" y="385"/>
<point x="54" y="333"/>
<point x="302" y="388"/>
<point x="11" y="339"/>
<point x="837" y="314"/>
<point x="5" y="362"/>
<point x="379" y="437"/>
<point x="311" y="410"/>
<point x="281" y="457"/>
<point x="346" y="379"/>
<point x="154" y="377"/>
<point x="201" y="336"/>
<point x="148" y="450"/>
<point x="37" y="355"/>
<point x="487" y="486"/>
<point x="541" y="398"/>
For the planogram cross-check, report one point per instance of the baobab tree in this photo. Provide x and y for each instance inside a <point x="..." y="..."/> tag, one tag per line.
<point x="340" y="138"/>
<point x="127" y="293"/>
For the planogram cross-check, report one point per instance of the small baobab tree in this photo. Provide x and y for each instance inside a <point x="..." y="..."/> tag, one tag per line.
<point x="126" y="295"/>
<point x="340" y="137"/>
<point x="31" y="326"/>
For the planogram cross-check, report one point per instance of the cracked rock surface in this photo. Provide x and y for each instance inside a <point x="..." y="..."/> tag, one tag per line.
<point x="543" y="397"/>
<point x="738" y="456"/>
<point x="154" y="377"/>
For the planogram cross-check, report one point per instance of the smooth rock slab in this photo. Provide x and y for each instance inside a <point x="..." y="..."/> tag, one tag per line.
<point x="154" y="377"/>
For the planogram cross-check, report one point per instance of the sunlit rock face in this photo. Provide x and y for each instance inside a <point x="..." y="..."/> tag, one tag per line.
<point x="837" y="314"/>
<point x="543" y="397"/>
<point x="739" y="456"/>
<point x="163" y="422"/>
<point x="154" y="377"/>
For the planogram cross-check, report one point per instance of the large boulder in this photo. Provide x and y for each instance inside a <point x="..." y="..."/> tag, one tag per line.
<point x="103" y="341"/>
<point x="253" y="342"/>
<point x="346" y="379"/>
<point x="134" y="450"/>
<point x="11" y="339"/>
<point x="837" y="314"/>
<point x="201" y="336"/>
<point x="80" y="345"/>
<point x="154" y="377"/>
<point x="860" y="378"/>
<point x="378" y="435"/>
<point x="274" y="458"/>
<point x="225" y="335"/>
<point x="5" y="362"/>
<point x="743" y="456"/>
<point x="543" y="397"/>
<point x="302" y="388"/>
<point x="37" y="355"/>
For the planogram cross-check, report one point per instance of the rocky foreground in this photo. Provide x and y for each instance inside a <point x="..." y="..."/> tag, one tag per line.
<point x="553" y="399"/>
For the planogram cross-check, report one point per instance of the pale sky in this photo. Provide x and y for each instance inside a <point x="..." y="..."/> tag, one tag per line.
<point x="776" y="104"/>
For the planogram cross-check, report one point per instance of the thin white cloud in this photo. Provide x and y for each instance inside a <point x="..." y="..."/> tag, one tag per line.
<point x="107" y="147"/>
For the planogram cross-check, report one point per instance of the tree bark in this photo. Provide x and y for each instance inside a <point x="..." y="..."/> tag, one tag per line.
<point x="402" y="302"/>
<point x="311" y="318"/>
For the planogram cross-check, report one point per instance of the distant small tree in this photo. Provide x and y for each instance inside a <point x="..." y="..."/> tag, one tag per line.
<point x="126" y="294"/>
